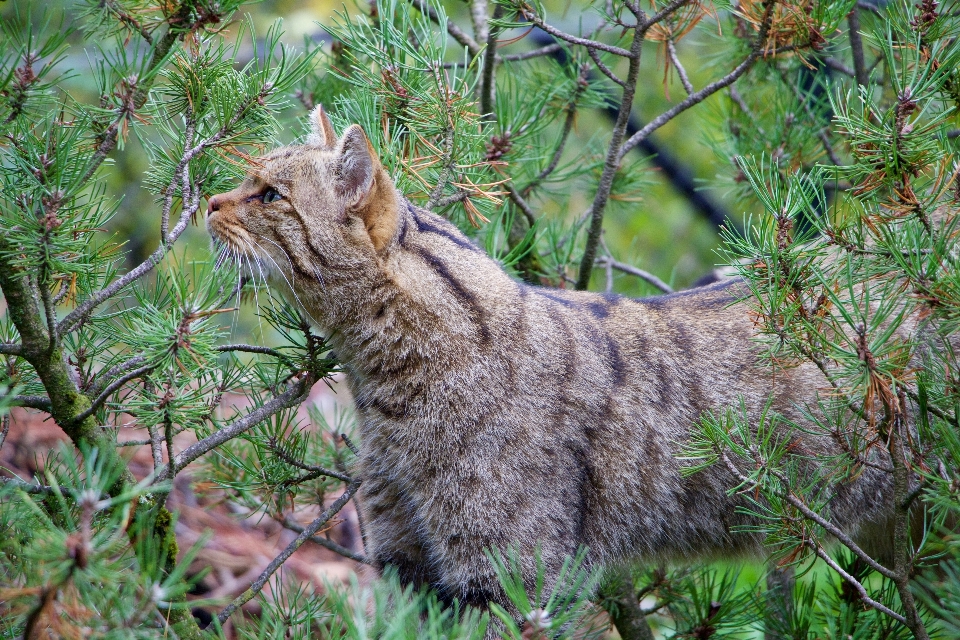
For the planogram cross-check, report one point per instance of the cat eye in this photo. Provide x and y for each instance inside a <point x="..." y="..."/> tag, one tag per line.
<point x="270" y="195"/>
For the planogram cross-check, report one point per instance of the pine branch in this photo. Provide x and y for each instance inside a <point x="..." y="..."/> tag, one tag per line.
<point x="295" y="394"/>
<point x="586" y="42"/>
<point x="33" y="402"/>
<point x="10" y="349"/>
<point x="684" y="80"/>
<point x="284" y="455"/>
<point x="111" y="388"/>
<point x="277" y="562"/>
<point x="808" y="513"/>
<point x="293" y="525"/>
<point x="710" y="89"/>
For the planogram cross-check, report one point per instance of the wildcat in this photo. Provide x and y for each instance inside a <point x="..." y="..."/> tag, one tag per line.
<point x="494" y="413"/>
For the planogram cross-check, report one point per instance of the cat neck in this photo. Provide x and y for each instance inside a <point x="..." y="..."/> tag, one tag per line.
<point x="433" y="296"/>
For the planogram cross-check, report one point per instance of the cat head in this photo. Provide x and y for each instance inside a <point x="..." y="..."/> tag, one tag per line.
<point x="318" y="212"/>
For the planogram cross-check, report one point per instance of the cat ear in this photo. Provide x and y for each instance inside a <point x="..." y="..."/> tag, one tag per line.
<point x="355" y="175"/>
<point x="322" y="134"/>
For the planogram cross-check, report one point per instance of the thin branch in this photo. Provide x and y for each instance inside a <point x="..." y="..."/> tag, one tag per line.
<point x="836" y="65"/>
<point x="189" y="209"/>
<point x="617" y="51"/>
<point x="478" y="14"/>
<point x="660" y="15"/>
<point x="305" y="535"/>
<point x="607" y="71"/>
<point x="294" y="395"/>
<point x="488" y="83"/>
<point x="111" y="388"/>
<point x="293" y="525"/>
<point x="610" y="166"/>
<point x="4" y="428"/>
<point x="133" y="443"/>
<point x="684" y="80"/>
<point x="447" y="170"/>
<point x="607" y="261"/>
<point x="33" y="402"/>
<point x="26" y="487"/>
<point x="536" y="53"/>
<point x="98" y="384"/>
<point x="861" y="590"/>
<point x="455" y="32"/>
<point x="710" y="89"/>
<point x="798" y="504"/>
<point x="250" y="348"/>
<point x="274" y="446"/>
<point x="564" y="134"/>
<point x="821" y="131"/>
<point x="10" y="349"/>
<point x="521" y="203"/>
<point x="856" y="47"/>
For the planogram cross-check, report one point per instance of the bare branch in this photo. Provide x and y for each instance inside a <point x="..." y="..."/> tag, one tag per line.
<point x="10" y="349"/>
<point x="98" y="384"/>
<point x="660" y="15"/>
<point x="33" y="402"/>
<point x="478" y="13"/>
<point x="293" y="525"/>
<point x="617" y="51"/>
<point x="26" y="487"/>
<point x="856" y="47"/>
<point x="536" y="53"/>
<point x="488" y="85"/>
<point x="836" y="65"/>
<point x="607" y="261"/>
<point x="607" y="71"/>
<point x="684" y="80"/>
<point x="306" y="534"/>
<point x="610" y="166"/>
<point x="250" y="348"/>
<point x="294" y="395"/>
<point x="564" y="134"/>
<point x="521" y="203"/>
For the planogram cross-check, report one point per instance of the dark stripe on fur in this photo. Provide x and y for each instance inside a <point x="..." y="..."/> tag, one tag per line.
<point x="425" y="226"/>
<point x="477" y="311"/>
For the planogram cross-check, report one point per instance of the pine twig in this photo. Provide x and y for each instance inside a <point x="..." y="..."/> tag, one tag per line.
<point x="277" y="562"/>
<point x="609" y="262"/>
<point x="684" y="79"/>
<point x="295" y="394"/>
<point x="293" y="525"/>
<point x="710" y="89"/>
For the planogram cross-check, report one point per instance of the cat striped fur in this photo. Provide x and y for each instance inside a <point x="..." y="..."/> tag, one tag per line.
<point x="494" y="413"/>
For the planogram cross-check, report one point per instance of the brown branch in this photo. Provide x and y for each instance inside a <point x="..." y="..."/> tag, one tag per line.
<point x="856" y="47"/>
<point x="521" y="203"/>
<point x="10" y="349"/>
<point x="111" y="388"/>
<point x="586" y="42"/>
<point x="284" y="455"/>
<point x="860" y="589"/>
<point x="607" y="71"/>
<point x="32" y="402"/>
<point x="277" y="562"/>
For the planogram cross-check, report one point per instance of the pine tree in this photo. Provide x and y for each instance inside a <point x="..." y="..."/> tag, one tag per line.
<point x="833" y="123"/>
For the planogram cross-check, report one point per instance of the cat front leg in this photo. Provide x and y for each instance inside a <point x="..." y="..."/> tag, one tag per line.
<point x="393" y="536"/>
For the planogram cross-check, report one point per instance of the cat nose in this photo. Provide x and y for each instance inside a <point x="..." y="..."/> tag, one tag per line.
<point x="213" y="204"/>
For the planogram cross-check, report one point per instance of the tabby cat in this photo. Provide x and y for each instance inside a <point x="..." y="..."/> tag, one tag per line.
<point x="494" y="413"/>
